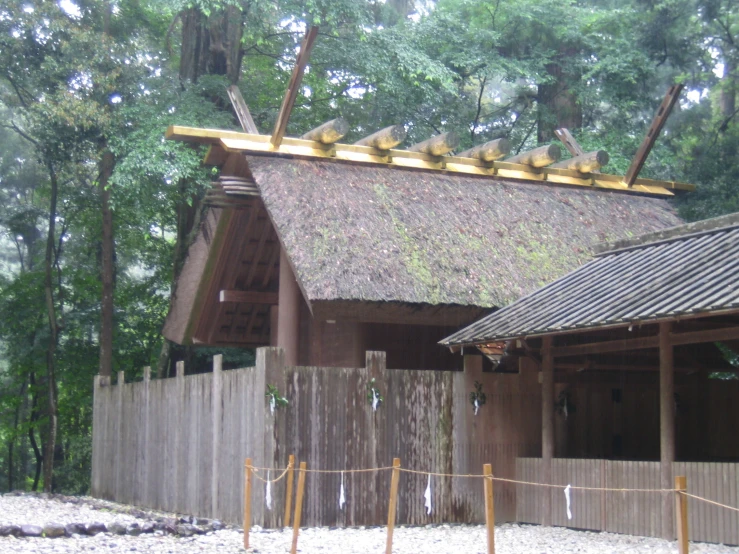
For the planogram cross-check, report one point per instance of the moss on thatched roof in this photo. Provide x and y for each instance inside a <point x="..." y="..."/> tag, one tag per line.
<point x="376" y="234"/>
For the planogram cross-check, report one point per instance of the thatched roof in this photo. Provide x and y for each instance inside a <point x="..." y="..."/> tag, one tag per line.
<point x="376" y="234"/>
<point x="687" y="273"/>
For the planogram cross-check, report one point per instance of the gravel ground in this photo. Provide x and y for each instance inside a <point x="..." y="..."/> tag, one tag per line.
<point x="470" y="539"/>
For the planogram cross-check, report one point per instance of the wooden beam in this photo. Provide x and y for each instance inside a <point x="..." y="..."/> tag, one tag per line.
<point x="241" y="109"/>
<point x="585" y="163"/>
<point x="654" y="129"/>
<point x="243" y="143"/>
<point x="666" y="424"/>
<point x="384" y="139"/>
<point x="328" y="133"/>
<point x="566" y="138"/>
<point x="437" y="145"/>
<point x="293" y="86"/>
<point x="709" y="335"/>
<point x="248" y="297"/>
<point x="538" y="157"/>
<point x="606" y="346"/>
<point x="676" y="339"/>
<point x="488" y="152"/>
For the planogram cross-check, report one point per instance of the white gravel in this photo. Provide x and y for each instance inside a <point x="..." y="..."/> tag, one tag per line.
<point x="456" y="539"/>
<point x="39" y="511"/>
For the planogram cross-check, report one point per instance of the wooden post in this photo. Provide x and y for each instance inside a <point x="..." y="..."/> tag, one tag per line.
<point x="119" y="436"/>
<point x="487" y="471"/>
<point x="217" y="404"/>
<point x="146" y="500"/>
<point x="393" y="503"/>
<point x="666" y="425"/>
<point x="247" y="501"/>
<point x="288" y="312"/>
<point x="289" y="493"/>
<point x="178" y="462"/>
<point x="298" y="508"/>
<point x="547" y="425"/>
<point x="293" y="87"/>
<point x="654" y="129"/>
<point x="681" y="513"/>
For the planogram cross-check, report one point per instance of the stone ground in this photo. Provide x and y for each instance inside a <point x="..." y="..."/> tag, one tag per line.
<point x="457" y="539"/>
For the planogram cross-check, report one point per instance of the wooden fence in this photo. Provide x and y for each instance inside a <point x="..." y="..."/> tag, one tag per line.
<point x="635" y="513"/>
<point x="179" y="444"/>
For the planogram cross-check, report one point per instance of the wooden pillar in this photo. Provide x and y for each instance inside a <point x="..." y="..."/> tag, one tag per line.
<point x="217" y="407"/>
<point x="288" y="312"/>
<point x="547" y="426"/>
<point x="666" y="426"/>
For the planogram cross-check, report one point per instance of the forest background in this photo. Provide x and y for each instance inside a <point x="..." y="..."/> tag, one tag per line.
<point x="96" y="208"/>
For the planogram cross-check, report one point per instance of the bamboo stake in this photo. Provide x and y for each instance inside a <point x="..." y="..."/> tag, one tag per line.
<point x="289" y="499"/>
<point x="391" y="508"/>
<point x="247" y="501"/>
<point x="298" y="508"/>
<point x="487" y="470"/>
<point x="681" y="513"/>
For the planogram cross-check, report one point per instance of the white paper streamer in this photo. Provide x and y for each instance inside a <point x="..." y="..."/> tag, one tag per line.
<point x="272" y="404"/>
<point x="427" y="496"/>
<point x="342" y="498"/>
<point x="567" y="498"/>
<point x="477" y="406"/>
<point x="375" y="400"/>
<point x="268" y="494"/>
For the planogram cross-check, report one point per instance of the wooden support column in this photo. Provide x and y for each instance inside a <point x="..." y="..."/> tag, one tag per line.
<point x="666" y="426"/>
<point x="217" y="410"/>
<point x="547" y="426"/>
<point x="288" y="312"/>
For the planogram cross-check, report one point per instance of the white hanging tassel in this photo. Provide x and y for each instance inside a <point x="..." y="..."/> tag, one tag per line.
<point x="427" y="496"/>
<point x="567" y="498"/>
<point x="375" y="400"/>
<point x="565" y="408"/>
<point x="268" y="494"/>
<point x="272" y="404"/>
<point x="477" y="406"/>
<point x="342" y="498"/>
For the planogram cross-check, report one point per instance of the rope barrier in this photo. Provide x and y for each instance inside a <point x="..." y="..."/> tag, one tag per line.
<point x="406" y="470"/>
<point x="464" y="476"/>
<point x="709" y="501"/>
<point x="255" y="472"/>
<point x="602" y="489"/>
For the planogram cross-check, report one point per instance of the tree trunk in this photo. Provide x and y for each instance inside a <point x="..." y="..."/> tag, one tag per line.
<point x="727" y="101"/>
<point x="107" y="163"/>
<point x="211" y="44"/>
<point x="53" y="333"/>
<point x="33" y="418"/>
<point x="558" y="103"/>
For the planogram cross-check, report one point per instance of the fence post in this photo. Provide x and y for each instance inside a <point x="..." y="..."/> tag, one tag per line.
<point x="487" y="470"/>
<point x="216" y="394"/>
<point x="247" y="501"/>
<point x="681" y="513"/>
<point x="119" y="436"/>
<point x="289" y="492"/>
<point x="298" y="508"/>
<point x="145" y="495"/>
<point x="391" y="508"/>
